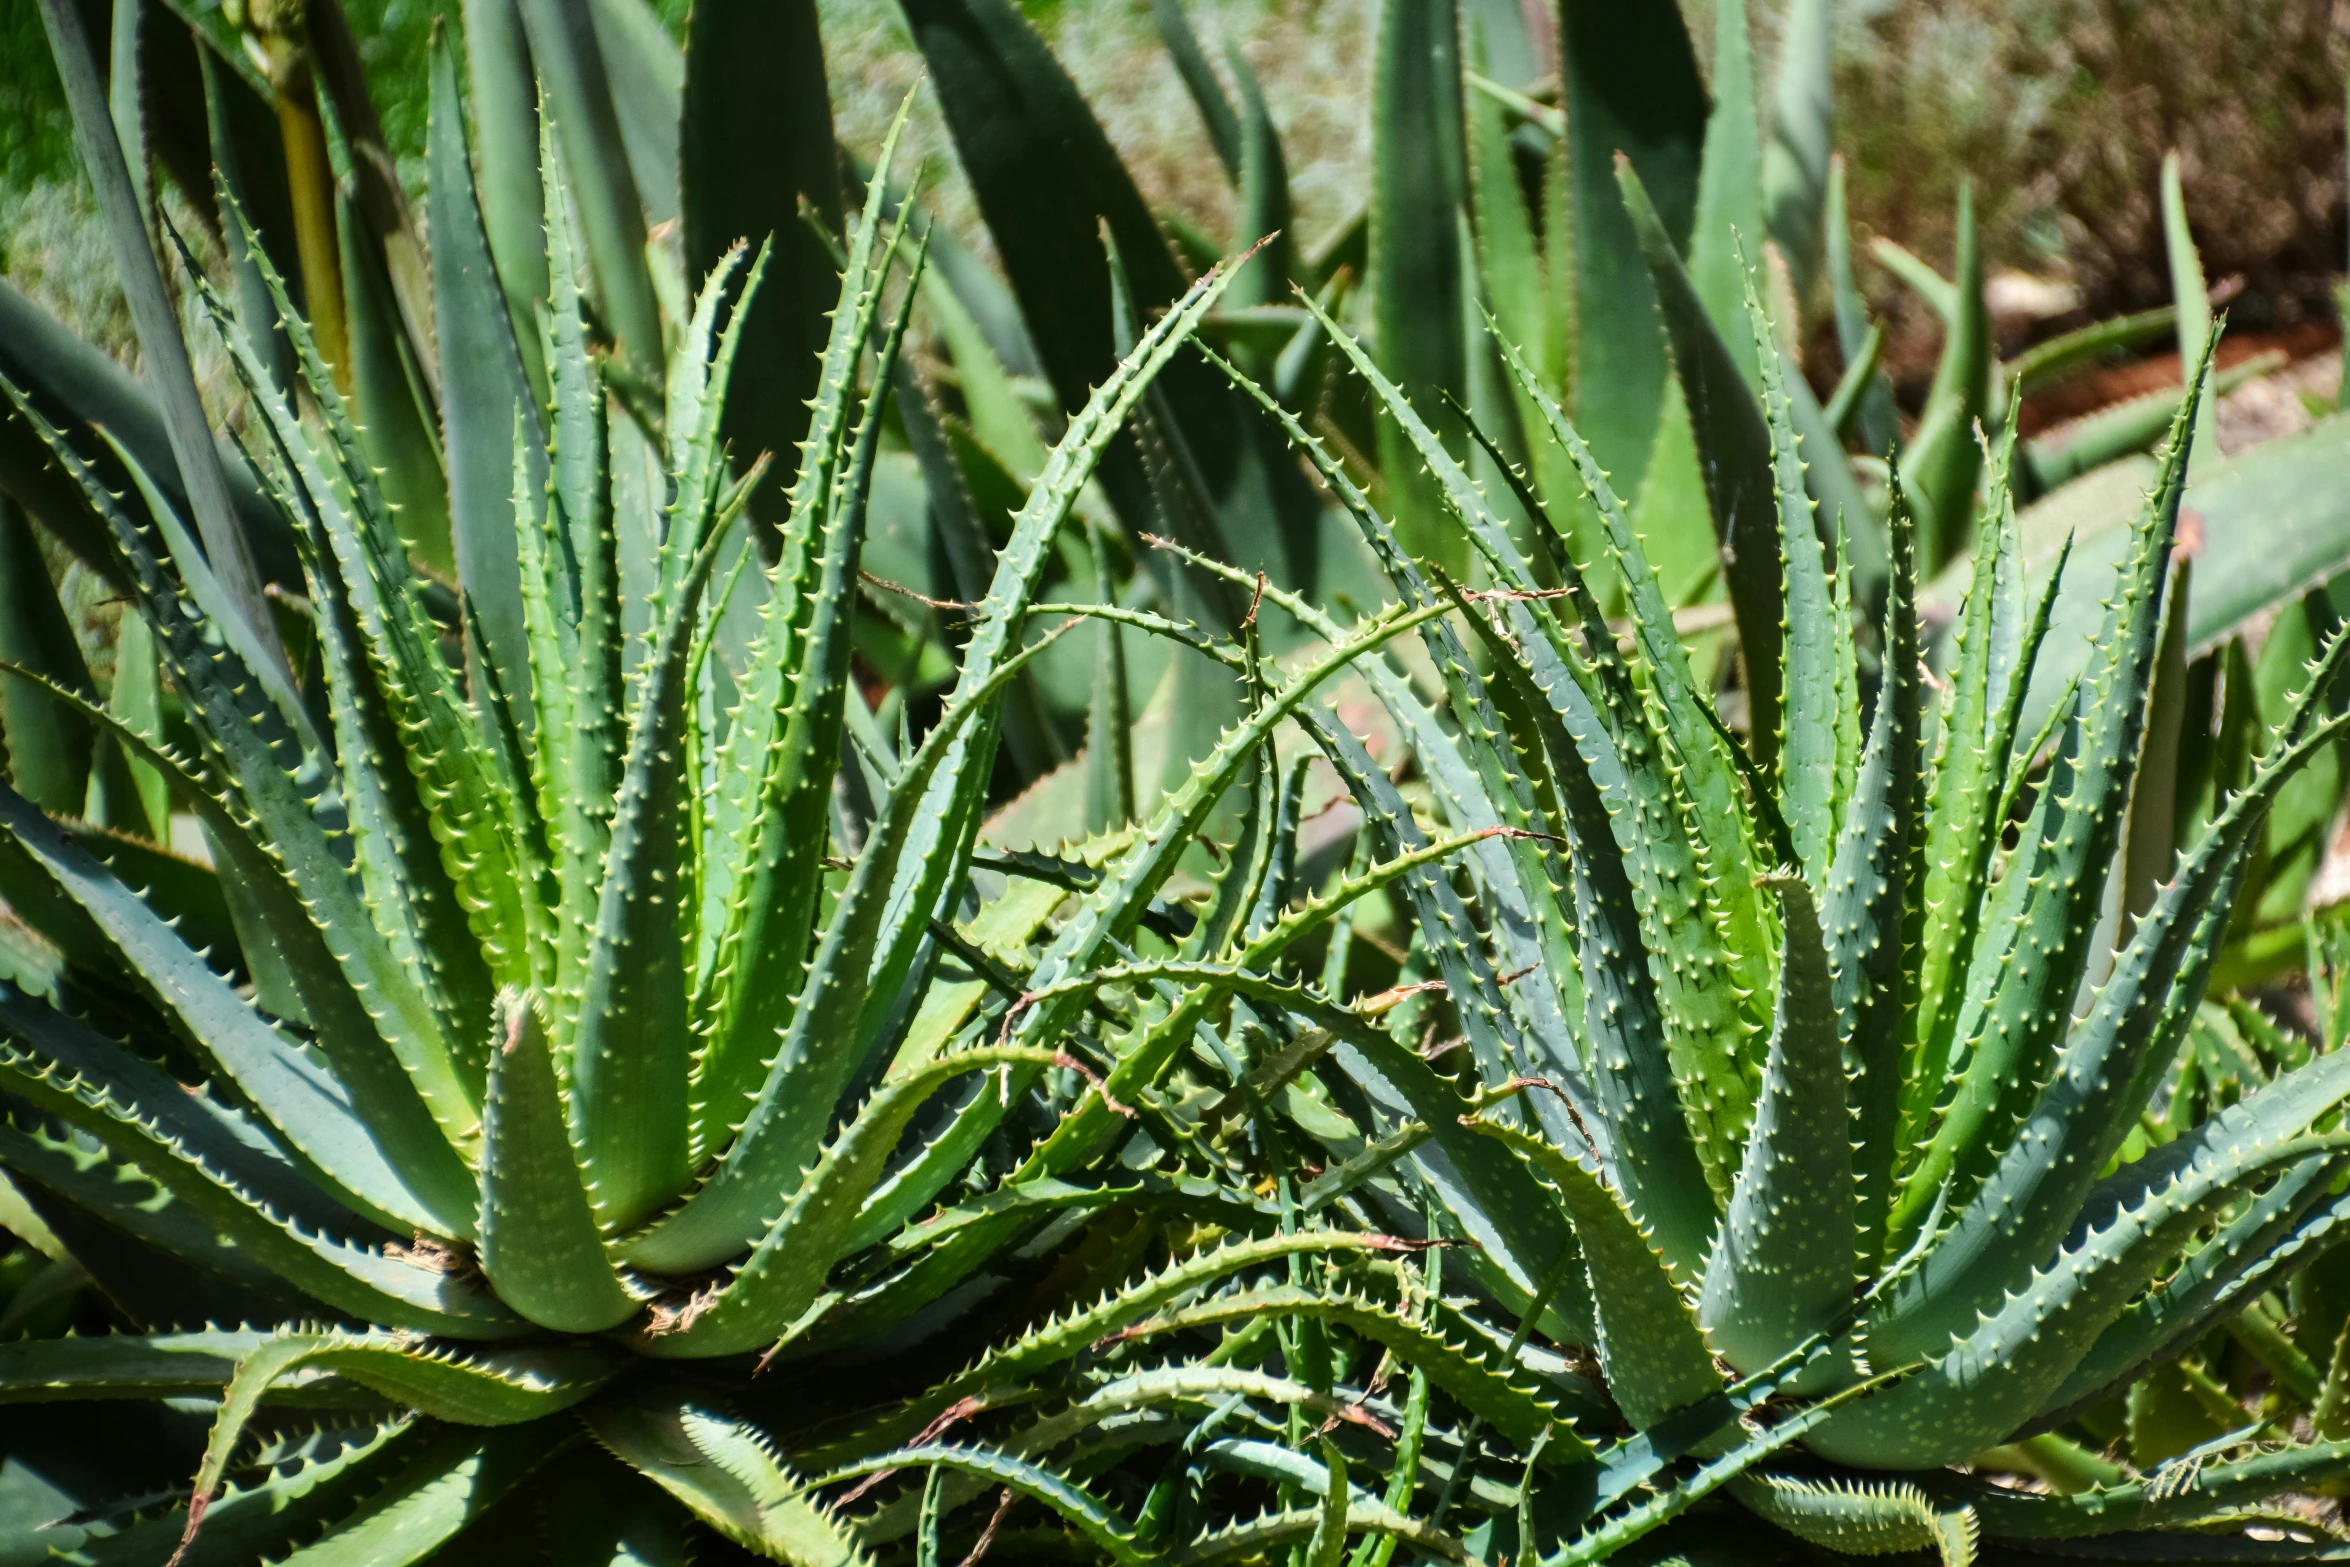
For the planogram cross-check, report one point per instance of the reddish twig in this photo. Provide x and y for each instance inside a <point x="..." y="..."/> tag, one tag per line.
<point x="1100" y="1086"/>
<point x="899" y="588"/>
<point x="987" y="1535"/>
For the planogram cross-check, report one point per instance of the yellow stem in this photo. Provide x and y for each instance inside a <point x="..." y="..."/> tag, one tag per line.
<point x="310" y="177"/>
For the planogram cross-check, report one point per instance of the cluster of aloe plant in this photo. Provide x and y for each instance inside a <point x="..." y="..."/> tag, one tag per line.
<point x="557" y="1076"/>
<point x="1495" y="187"/>
<point x="605" y="1078"/>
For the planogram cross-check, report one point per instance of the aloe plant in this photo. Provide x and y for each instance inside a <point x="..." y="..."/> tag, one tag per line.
<point x="599" y="1045"/>
<point x="591" y="1051"/>
<point x="1834" y="1067"/>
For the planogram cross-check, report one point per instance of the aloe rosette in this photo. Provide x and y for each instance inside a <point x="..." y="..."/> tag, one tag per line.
<point x="1831" y="1072"/>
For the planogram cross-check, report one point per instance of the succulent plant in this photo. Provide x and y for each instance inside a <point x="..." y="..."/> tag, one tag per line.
<point x="599" y="1084"/>
<point x="1833" y="1069"/>
<point x="593" y="1053"/>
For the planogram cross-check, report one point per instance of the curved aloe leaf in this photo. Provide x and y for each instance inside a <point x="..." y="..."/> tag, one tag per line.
<point x="1656" y="1359"/>
<point x="627" y="1074"/>
<point x="539" y="1246"/>
<point x="727" y="1474"/>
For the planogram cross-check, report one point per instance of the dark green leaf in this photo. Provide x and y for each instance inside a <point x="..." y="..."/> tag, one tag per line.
<point x="1630" y="88"/>
<point x="755" y="78"/>
<point x="484" y="392"/>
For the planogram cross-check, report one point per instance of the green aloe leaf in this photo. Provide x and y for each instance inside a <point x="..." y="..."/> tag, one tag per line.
<point x="325" y="969"/>
<point x="1419" y="205"/>
<point x="1782" y="1266"/>
<point x="567" y="48"/>
<point x="1734" y="448"/>
<point x="484" y="390"/>
<point x="123" y="1365"/>
<point x="1657" y="823"/>
<point x="1942" y="461"/>
<point x="755" y="78"/>
<point x="389" y="682"/>
<point x="2274" y="523"/>
<point x="450" y="1482"/>
<point x="2191" y="299"/>
<point x="1013" y="112"/>
<point x="1860" y="1517"/>
<point x="1103" y="1529"/>
<point x="1796" y="160"/>
<point x="2167" y="1497"/>
<point x="2271" y="1237"/>
<point x="208" y="1161"/>
<point x="2108" y="1070"/>
<point x="127" y="794"/>
<point x="740" y="880"/>
<point x="1989" y="669"/>
<point x="1725" y="236"/>
<point x="1877" y="431"/>
<point x="1655" y="1164"/>
<point x="1655" y="734"/>
<point x="48" y="746"/>
<point x="188" y="428"/>
<point x="187" y="895"/>
<point x="1301" y="1525"/>
<point x="1266" y="212"/>
<point x="76" y="387"/>
<point x="2021" y="987"/>
<point x="1629" y="84"/>
<point x="582" y="569"/>
<point x="1474" y="1373"/>
<point x="1813" y="783"/>
<point x="647" y="77"/>
<point x="726" y="1474"/>
<point x="248" y="164"/>
<point x="724" y="1213"/>
<point x="2047" y="363"/>
<point x="394" y="400"/>
<point x="786" y="1121"/>
<point x="1600" y="1541"/>
<point x="765" y="1296"/>
<point x="781" y="760"/>
<point x="215" y="1278"/>
<point x="1656" y="1359"/>
<point x="1476" y="779"/>
<point x="515" y="1388"/>
<point x="1874" y="890"/>
<point x="378" y="196"/>
<point x="1199" y="80"/>
<point x="506" y="135"/>
<point x="2131" y="426"/>
<point x="628" y="1067"/>
<point x="270" y="1514"/>
<point x="1970" y="1395"/>
<point x="342" y="1141"/>
<point x="1491" y="1196"/>
<point x="539" y="1246"/>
